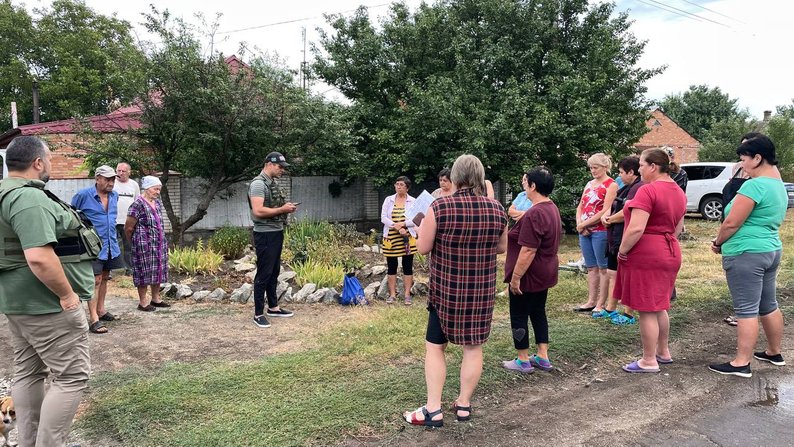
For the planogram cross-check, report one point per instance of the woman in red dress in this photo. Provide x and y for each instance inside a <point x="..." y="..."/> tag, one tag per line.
<point x="464" y="231"/>
<point x="649" y="256"/>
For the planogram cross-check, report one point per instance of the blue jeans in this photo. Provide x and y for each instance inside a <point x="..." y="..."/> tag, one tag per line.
<point x="594" y="249"/>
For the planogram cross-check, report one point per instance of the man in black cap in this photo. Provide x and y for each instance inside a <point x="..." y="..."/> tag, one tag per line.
<point x="269" y="210"/>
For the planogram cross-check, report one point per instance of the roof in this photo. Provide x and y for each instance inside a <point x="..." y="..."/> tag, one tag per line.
<point x="664" y="131"/>
<point x="118" y="121"/>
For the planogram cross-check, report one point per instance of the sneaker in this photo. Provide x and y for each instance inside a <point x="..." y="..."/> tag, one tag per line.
<point x="540" y="363"/>
<point x="623" y="319"/>
<point x="603" y="313"/>
<point x="776" y="360"/>
<point x="518" y="365"/>
<point x="261" y="321"/>
<point x="728" y="369"/>
<point x="284" y="313"/>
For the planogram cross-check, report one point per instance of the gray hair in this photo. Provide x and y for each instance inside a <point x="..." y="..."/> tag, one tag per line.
<point x="468" y="172"/>
<point x="23" y="151"/>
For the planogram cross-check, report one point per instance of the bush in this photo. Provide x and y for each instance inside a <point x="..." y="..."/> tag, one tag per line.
<point x="230" y="241"/>
<point x="320" y="273"/>
<point x="195" y="260"/>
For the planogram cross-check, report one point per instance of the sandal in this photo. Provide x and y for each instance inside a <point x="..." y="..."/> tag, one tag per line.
<point x="107" y="316"/>
<point x="390" y="300"/>
<point x="410" y="417"/>
<point x="98" y="327"/>
<point x="731" y="320"/>
<point x="147" y="308"/>
<point x="456" y="408"/>
<point x="160" y="304"/>
<point x="409" y="301"/>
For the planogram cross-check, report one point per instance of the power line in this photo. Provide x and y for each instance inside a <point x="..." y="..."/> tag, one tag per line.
<point x="687" y="14"/>
<point x="284" y="22"/>
<point x="670" y="10"/>
<point x="713" y="11"/>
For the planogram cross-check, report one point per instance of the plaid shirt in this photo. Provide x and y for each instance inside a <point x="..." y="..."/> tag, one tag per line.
<point x="463" y="265"/>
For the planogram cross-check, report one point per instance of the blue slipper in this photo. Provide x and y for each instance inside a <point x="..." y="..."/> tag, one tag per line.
<point x="634" y="367"/>
<point x="664" y="361"/>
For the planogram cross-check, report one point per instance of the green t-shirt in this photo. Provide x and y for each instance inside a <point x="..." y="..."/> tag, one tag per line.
<point x="36" y="220"/>
<point x="759" y="233"/>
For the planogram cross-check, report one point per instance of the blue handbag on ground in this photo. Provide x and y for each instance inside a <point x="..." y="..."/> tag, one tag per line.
<point x="352" y="292"/>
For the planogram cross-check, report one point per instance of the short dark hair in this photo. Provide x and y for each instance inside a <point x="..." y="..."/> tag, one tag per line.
<point x="630" y="163"/>
<point x="444" y="173"/>
<point x="405" y="180"/>
<point x="23" y="151"/>
<point x="760" y="145"/>
<point x="749" y="136"/>
<point x="543" y="180"/>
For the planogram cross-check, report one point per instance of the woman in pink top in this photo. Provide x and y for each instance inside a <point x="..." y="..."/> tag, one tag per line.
<point x="596" y="200"/>
<point x="649" y="256"/>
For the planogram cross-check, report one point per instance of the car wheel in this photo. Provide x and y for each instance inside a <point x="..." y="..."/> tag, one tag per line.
<point x="711" y="208"/>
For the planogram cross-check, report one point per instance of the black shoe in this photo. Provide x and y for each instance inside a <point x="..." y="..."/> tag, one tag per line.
<point x="776" y="360"/>
<point x="160" y="304"/>
<point x="728" y="369"/>
<point x="261" y="321"/>
<point x="279" y="313"/>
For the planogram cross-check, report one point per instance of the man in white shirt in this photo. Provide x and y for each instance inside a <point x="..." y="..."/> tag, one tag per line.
<point x="127" y="190"/>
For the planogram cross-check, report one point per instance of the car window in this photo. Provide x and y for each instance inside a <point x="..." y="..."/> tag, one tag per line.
<point x="2" y="165"/>
<point x="694" y="172"/>
<point x="712" y="172"/>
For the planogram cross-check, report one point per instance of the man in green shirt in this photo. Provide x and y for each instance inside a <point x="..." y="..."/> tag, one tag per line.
<point x="269" y="210"/>
<point x="43" y="278"/>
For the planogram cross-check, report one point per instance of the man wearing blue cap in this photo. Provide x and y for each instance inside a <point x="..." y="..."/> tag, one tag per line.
<point x="269" y="210"/>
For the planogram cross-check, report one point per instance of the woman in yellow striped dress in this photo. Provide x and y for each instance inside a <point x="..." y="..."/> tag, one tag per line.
<point x="399" y="238"/>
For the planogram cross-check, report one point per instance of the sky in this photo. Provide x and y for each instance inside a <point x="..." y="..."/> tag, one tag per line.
<point x="739" y="46"/>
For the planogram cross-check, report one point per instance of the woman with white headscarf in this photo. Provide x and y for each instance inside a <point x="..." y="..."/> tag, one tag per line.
<point x="145" y="229"/>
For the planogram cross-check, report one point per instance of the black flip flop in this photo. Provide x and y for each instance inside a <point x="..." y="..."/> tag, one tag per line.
<point x="97" y="328"/>
<point x="108" y="317"/>
<point x="584" y="309"/>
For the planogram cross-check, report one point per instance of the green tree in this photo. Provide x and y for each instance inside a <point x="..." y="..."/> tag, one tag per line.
<point x="84" y="62"/>
<point x="16" y="28"/>
<point x="780" y="129"/>
<point x="698" y="109"/>
<point x="720" y="141"/>
<point x="215" y="118"/>
<point x="515" y="83"/>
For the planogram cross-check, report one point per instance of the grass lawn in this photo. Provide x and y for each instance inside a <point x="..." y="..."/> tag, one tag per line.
<point x="357" y="377"/>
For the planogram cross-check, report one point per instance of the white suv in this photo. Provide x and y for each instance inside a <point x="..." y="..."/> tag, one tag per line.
<point x="704" y="190"/>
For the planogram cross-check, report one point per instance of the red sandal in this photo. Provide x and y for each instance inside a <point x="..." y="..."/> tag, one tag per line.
<point x="427" y="421"/>
<point x="456" y="408"/>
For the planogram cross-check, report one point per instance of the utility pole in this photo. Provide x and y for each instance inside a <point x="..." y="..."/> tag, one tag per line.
<point x="14" y="122"/>
<point x="304" y="64"/>
<point x="35" y="102"/>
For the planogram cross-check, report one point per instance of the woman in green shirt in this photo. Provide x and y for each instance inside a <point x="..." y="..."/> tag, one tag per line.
<point x="751" y="249"/>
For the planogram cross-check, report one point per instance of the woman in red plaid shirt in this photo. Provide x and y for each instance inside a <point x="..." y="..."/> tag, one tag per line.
<point x="464" y="232"/>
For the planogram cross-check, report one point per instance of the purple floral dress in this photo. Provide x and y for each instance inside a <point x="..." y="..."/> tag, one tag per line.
<point x="149" y="245"/>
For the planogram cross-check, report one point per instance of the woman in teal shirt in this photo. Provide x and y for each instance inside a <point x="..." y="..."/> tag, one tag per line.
<point x="751" y="251"/>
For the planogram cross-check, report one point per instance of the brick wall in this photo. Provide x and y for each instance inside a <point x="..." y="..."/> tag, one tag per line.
<point x="67" y="161"/>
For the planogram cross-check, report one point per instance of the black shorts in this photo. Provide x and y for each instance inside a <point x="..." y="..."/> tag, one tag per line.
<point x="106" y="265"/>
<point x="612" y="261"/>
<point x="434" y="333"/>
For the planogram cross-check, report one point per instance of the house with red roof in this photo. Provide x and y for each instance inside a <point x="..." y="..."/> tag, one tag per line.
<point x="67" y="161"/>
<point x="663" y="131"/>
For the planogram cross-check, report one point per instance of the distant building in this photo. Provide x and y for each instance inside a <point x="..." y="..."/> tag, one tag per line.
<point x="663" y="131"/>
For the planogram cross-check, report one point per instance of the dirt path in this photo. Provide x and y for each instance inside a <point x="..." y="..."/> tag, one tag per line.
<point x="596" y="404"/>
<point x="600" y="405"/>
<point x="189" y="332"/>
